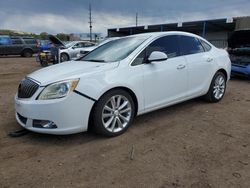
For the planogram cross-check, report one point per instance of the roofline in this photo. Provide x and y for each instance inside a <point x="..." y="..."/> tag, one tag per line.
<point x="176" y="23"/>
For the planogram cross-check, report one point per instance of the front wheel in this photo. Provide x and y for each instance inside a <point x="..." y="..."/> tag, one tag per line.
<point x="64" y="57"/>
<point x="113" y="113"/>
<point x="217" y="88"/>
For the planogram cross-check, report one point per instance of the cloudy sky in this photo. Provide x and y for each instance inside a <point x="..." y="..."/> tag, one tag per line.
<point x="71" y="16"/>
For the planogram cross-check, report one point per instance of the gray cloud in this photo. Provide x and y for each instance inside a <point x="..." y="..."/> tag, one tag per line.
<point x="72" y="16"/>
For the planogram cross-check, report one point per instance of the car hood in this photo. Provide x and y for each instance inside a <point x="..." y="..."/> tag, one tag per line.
<point x="56" y="41"/>
<point x="69" y="70"/>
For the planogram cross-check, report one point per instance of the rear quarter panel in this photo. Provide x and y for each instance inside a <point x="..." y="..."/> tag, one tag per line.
<point x="223" y="61"/>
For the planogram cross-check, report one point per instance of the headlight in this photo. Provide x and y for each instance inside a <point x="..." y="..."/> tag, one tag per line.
<point x="58" y="90"/>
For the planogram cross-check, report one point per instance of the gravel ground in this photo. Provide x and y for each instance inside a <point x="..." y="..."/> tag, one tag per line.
<point x="193" y="144"/>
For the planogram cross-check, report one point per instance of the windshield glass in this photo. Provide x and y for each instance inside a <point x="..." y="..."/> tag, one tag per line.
<point x="106" y="40"/>
<point x="69" y="44"/>
<point x="114" y="50"/>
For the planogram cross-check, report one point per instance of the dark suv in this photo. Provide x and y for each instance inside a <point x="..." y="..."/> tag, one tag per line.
<point x="24" y="46"/>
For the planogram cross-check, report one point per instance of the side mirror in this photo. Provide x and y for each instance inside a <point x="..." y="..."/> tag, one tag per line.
<point x="157" y="56"/>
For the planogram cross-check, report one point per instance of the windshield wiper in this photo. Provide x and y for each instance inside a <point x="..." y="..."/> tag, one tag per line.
<point x="96" y="60"/>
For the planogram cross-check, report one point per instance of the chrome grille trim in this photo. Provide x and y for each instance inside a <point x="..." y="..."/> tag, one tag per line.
<point x="27" y="88"/>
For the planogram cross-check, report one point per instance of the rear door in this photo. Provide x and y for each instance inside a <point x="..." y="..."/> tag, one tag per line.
<point x="199" y="63"/>
<point x="17" y="46"/>
<point x="31" y="43"/>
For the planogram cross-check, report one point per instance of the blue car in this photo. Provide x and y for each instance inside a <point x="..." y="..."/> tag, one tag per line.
<point x="239" y="51"/>
<point x="45" y="45"/>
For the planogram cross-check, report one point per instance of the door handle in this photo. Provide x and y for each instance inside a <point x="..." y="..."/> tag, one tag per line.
<point x="179" y="67"/>
<point x="209" y="59"/>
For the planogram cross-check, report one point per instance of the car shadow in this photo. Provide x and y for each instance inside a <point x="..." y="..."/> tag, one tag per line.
<point x="15" y="56"/>
<point x="240" y="78"/>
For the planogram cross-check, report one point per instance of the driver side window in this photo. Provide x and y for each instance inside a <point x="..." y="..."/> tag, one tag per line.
<point x="168" y="44"/>
<point x="78" y="45"/>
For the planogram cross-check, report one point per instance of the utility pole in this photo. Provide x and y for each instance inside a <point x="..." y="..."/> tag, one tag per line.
<point x="90" y="23"/>
<point x="136" y="20"/>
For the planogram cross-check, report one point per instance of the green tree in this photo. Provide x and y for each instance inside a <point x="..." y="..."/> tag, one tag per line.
<point x="43" y="35"/>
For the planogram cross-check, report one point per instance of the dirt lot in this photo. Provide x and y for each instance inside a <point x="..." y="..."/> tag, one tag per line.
<point x="193" y="144"/>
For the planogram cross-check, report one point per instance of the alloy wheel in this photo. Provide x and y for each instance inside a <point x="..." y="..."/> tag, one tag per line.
<point x="219" y="87"/>
<point x="116" y="113"/>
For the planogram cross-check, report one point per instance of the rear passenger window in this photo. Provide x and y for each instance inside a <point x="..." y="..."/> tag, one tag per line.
<point x="16" y="41"/>
<point x="88" y="44"/>
<point x="30" y="41"/>
<point x="205" y="45"/>
<point x="190" y="45"/>
<point x="4" y="40"/>
<point x="168" y="45"/>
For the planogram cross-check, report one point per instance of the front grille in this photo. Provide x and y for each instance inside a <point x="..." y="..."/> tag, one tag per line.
<point x="27" y="88"/>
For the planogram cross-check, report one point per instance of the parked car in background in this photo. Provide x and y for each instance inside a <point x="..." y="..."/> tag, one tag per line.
<point x="239" y="50"/>
<point x="74" y="49"/>
<point x="44" y="45"/>
<point x="71" y="50"/>
<point x="62" y="51"/>
<point x="123" y="78"/>
<point x="16" y="45"/>
<point x="89" y="49"/>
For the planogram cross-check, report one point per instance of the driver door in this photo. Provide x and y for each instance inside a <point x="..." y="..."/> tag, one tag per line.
<point x="76" y="50"/>
<point x="166" y="81"/>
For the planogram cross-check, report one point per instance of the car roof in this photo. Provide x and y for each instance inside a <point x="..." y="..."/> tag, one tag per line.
<point x="158" y="34"/>
<point x="81" y="41"/>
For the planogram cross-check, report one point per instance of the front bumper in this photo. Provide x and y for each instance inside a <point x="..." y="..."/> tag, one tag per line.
<point x="243" y="70"/>
<point x="70" y="114"/>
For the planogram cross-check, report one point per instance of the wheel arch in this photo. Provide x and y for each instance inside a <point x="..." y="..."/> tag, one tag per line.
<point x="27" y="49"/>
<point x="224" y="72"/>
<point x="132" y="94"/>
<point x="65" y="54"/>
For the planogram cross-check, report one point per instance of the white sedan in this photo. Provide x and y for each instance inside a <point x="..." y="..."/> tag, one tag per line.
<point x="126" y="77"/>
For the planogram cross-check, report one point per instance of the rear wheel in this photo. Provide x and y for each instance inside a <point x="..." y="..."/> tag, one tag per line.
<point x="113" y="113"/>
<point x="217" y="88"/>
<point x="27" y="53"/>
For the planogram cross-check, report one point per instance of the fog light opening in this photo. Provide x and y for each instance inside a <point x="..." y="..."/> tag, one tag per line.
<point x="45" y="124"/>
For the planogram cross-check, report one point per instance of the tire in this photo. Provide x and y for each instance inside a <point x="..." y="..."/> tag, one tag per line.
<point x="217" y="88"/>
<point x="27" y="53"/>
<point x="64" y="57"/>
<point x="107" y="118"/>
<point x="44" y="63"/>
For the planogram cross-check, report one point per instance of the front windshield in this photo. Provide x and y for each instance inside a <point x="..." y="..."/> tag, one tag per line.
<point x="69" y="44"/>
<point x="114" y="50"/>
<point x="106" y="40"/>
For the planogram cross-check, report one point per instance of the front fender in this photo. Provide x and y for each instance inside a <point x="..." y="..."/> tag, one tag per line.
<point x="96" y="85"/>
